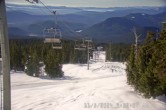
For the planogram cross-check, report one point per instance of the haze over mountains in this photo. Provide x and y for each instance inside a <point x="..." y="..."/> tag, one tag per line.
<point x="102" y="24"/>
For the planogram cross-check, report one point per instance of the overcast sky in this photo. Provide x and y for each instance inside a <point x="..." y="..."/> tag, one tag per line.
<point x="96" y="3"/>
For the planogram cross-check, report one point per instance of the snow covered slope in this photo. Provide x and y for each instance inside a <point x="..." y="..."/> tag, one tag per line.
<point x="103" y="87"/>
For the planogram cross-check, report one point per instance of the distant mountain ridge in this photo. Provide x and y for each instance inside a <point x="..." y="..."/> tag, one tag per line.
<point x="101" y="25"/>
<point x="119" y="29"/>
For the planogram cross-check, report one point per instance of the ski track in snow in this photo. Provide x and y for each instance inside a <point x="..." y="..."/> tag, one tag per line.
<point x="80" y="89"/>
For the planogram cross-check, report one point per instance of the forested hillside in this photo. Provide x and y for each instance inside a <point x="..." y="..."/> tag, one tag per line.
<point x="117" y="52"/>
<point x="33" y="54"/>
<point x="146" y="72"/>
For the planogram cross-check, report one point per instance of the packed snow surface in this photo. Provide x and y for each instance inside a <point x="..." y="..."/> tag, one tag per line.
<point x="103" y="87"/>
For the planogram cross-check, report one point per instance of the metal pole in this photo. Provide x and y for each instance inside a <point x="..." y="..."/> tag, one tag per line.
<point x="110" y="53"/>
<point x="5" y="57"/>
<point x="88" y="55"/>
<point x="95" y="56"/>
<point x="88" y="40"/>
<point x="55" y="19"/>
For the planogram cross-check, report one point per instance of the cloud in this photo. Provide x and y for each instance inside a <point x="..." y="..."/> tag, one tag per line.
<point x="16" y="1"/>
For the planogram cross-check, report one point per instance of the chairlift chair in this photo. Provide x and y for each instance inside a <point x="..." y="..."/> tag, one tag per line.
<point x="80" y="46"/>
<point x="90" y="45"/>
<point x="53" y="36"/>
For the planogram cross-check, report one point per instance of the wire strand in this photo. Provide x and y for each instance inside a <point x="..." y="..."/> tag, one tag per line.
<point x="45" y="6"/>
<point x="56" y="23"/>
<point x="54" y="13"/>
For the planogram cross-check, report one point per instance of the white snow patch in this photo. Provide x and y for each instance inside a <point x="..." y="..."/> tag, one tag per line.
<point x="103" y="87"/>
<point x="79" y="31"/>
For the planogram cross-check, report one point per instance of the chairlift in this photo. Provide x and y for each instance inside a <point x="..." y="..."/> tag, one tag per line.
<point x="80" y="45"/>
<point x="53" y="36"/>
<point x="89" y="43"/>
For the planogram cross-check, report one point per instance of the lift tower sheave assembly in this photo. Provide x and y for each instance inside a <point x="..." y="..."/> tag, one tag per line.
<point x="5" y="57"/>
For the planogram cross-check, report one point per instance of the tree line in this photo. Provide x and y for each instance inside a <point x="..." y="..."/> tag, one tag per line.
<point x="146" y="72"/>
<point x="117" y="52"/>
<point x="33" y="54"/>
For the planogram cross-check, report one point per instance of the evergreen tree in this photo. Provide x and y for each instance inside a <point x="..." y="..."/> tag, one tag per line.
<point x="32" y="66"/>
<point x="16" y="54"/>
<point x="53" y="66"/>
<point x="147" y="73"/>
<point x="131" y="67"/>
<point x="108" y="53"/>
<point x="117" y="52"/>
